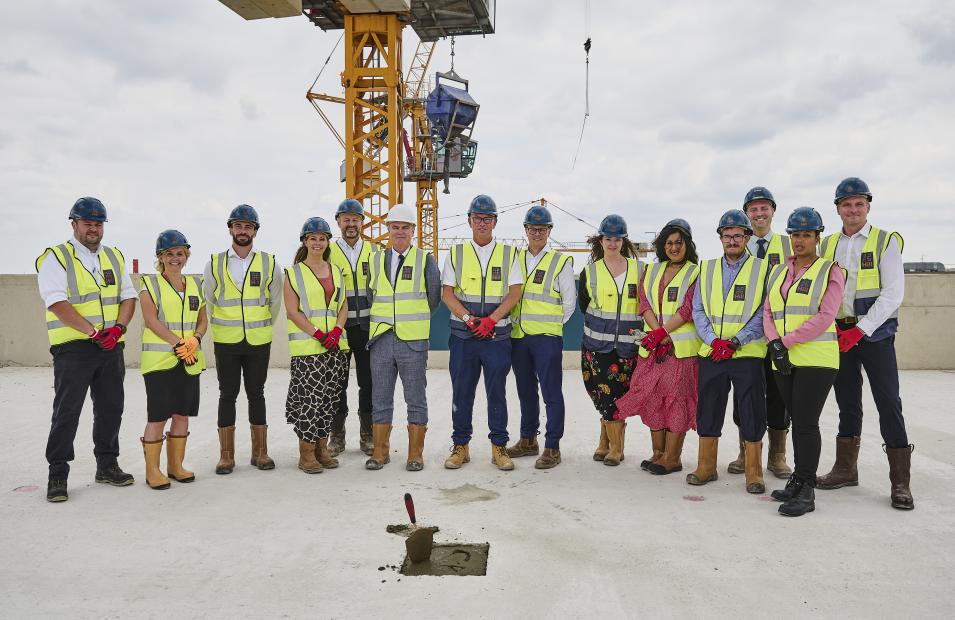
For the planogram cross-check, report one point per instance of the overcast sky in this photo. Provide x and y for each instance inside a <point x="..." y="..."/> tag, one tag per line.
<point x="173" y="112"/>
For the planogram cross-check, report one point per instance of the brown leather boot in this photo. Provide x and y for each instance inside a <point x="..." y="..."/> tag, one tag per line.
<point x="776" y="460"/>
<point x="306" y="458"/>
<point x="460" y="454"/>
<point x="226" y="450"/>
<point x="754" y="467"/>
<point x="706" y="468"/>
<point x="175" y="453"/>
<point x="525" y="446"/>
<point x="366" y="439"/>
<point x="658" y="441"/>
<point x="603" y="444"/>
<point x="739" y="465"/>
<point x="900" y="463"/>
<point x="550" y="458"/>
<point x="336" y="442"/>
<point x="670" y="462"/>
<point x="416" y="434"/>
<point x="260" y="447"/>
<point x="615" y="436"/>
<point x="154" y="476"/>
<point x="844" y="471"/>
<point x="381" y="435"/>
<point x="322" y="455"/>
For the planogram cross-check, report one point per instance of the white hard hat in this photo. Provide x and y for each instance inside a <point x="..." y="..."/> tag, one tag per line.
<point x="401" y="213"/>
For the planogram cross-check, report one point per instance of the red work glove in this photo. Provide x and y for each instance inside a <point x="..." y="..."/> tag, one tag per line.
<point x="849" y="338"/>
<point x="473" y="325"/>
<point x="485" y="328"/>
<point x="663" y="351"/>
<point x="722" y="350"/>
<point x="652" y="340"/>
<point x="332" y="338"/>
<point x="107" y="338"/>
<point x="319" y="335"/>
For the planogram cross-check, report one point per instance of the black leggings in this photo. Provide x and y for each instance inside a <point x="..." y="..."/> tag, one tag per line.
<point x="805" y="392"/>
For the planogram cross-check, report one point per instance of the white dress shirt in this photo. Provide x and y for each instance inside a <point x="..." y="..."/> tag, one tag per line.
<point x="395" y="254"/>
<point x="891" y="272"/>
<point x="351" y="253"/>
<point x="52" y="277"/>
<point x="238" y="267"/>
<point x="566" y="285"/>
<point x="753" y="244"/>
<point x="484" y="256"/>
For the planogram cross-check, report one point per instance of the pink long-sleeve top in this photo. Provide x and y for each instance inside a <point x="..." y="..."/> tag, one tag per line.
<point x="818" y="323"/>
<point x="685" y="310"/>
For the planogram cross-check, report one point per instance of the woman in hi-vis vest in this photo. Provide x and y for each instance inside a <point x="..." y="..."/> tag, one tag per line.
<point x="315" y="303"/>
<point x="663" y="388"/>
<point x="174" y="315"/>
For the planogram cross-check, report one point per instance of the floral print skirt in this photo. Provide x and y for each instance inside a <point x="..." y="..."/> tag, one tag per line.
<point x="606" y="378"/>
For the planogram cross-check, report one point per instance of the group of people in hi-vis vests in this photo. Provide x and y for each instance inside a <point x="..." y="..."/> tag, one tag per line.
<point x="779" y="319"/>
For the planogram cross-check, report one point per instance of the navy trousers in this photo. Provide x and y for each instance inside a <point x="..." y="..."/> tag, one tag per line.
<point x="537" y="361"/>
<point x="747" y="377"/>
<point x="777" y="415"/>
<point x="469" y="357"/>
<point x="878" y="359"/>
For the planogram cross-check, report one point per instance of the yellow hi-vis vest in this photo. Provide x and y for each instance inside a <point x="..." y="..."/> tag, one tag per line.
<point x="686" y="342"/>
<point x="802" y="302"/>
<point x="478" y="291"/>
<point x="778" y="250"/>
<point x="540" y="311"/>
<point x="180" y="316"/>
<point x="237" y="315"/>
<point x="98" y="304"/>
<point x="743" y="299"/>
<point x="356" y="280"/>
<point x="611" y="317"/>
<point x="404" y="306"/>
<point x="311" y="301"/>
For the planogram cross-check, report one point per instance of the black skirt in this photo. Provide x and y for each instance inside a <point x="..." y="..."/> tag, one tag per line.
<point x="169" y="392"/>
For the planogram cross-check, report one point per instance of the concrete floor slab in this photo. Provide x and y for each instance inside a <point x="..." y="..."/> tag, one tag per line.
<point x="580" y="540"/>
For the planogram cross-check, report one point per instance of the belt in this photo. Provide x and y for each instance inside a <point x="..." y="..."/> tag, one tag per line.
<point x="848" y="320"/>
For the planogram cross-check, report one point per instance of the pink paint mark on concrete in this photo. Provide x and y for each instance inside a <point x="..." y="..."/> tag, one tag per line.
<point x="694" y="498"/>
<point x="765" y="498"/>
<point x="29" y="488"/>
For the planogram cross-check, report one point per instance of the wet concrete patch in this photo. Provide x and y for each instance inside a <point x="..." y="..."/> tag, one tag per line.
<point x="451" y="559"/>
<point x="405" y="529"/>
<point x="468" y="493"/>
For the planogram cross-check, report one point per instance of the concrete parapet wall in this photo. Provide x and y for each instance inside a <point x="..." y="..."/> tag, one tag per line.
<point x="925" y="340"/>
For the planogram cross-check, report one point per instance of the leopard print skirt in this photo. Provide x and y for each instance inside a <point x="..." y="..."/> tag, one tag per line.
<point x="314" y="392"/>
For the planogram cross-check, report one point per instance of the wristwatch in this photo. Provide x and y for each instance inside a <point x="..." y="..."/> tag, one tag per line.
<point x="735" y="343"/>
<point x="122" y="328"/>
<point x="466" y="318"/>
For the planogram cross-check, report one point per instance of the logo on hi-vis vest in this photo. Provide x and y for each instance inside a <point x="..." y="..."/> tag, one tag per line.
<point x="539" y="276"/>
<point x="109" y="277"/>
<point x="193" y="303"/>
<point x="496" y="274"/>
<point x="255" y="278"/>
<point x="739" y="292"/>
<point x="364" y="269"/>
<point x="632" y="291"/>
<point x="868" y="261"/>
<point x="804" y="286"/>
<point x="774" y="259"/>
<point x="672" y="292"/>
<point x="406" y="271"/>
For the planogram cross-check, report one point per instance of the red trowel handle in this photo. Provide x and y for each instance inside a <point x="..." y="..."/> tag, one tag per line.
<point x="409" y="504"/>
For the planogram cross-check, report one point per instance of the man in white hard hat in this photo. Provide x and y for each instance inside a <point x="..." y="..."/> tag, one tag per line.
<point x="403" y="291"/>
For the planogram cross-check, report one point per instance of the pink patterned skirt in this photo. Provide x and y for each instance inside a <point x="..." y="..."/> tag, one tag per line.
<point x="663" y="395"/>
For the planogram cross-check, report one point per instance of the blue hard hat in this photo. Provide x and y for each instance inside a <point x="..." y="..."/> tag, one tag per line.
<point x="244" y="213"/>
<point x="735" y="217"/>
<point x="804" y="218"/>
<point x="681" y="224"/>
<point x="612" y="226"/>
<point x="853" y="186"/>
<point x="350" y="205"/>
<point x="759" y="193"/>
<point x="315" y="225"/>
<point x="482" y="205"/>
<point x="538" y="215"/>
<point x="169" y="239"/>
<point x="88" y="209"/>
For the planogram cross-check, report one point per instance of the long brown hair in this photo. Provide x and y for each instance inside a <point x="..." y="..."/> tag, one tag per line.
<point x="597" y="251"/>
<point x="302" y="251"/>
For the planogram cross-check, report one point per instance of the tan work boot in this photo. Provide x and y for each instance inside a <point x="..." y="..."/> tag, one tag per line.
<point x="844" y="472"/>
<point x="381" y="437"/>
<point x="739" y="465"/>
<point x="460" y="454"/>
<point x="670" y="462"/>
<point x="226" y="450"/>
<point x="658" y="444"/>
<point x="900" y="464"/>
<point x="754" y="467"/>
<point x="615" y="436"/>
<point x="416" y="434"/>
<point x="175" y="453"/>
<point x="306" y="458"/>
<point x="525" y="446"/>
<point x="260" y="447"/>
<point x="706" y="467"/>
<point x="776" y="459"/>
<point x="154" y="476"/>
<point x="322" y="455"/>
<point x="500" y="458"/>
<point x="550" y="458"/>
<point x="603" y="444"/>
<point x="336" y="442"/>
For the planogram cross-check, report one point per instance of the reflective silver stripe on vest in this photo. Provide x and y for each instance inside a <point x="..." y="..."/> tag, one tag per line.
<point x="221" y="301"/>
<point x="543" y="318"/>
<point x="749" y="306"/>
<point x="592" y="284"/>
<point x="624" y="338"/>
<point x="154" y="280"/>
<point x="300" y="335"/>
<point x="459" y="263"/>
<point x="255" y="324"/>
<point x="505" y="321"/>
<point x="158" y="348"/>
<point x="303" y="292"/>
<point x="786" y="245"/>
<point x="227" y="322"/>
<point x="263" y="284"/>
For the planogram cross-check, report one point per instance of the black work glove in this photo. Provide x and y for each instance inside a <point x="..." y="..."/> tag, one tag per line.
<point x="780" y="356"/>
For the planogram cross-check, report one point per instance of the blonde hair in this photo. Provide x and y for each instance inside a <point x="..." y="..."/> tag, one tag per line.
<point x="159" y="265"/>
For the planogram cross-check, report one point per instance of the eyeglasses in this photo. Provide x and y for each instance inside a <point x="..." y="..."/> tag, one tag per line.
<point x="536" y="230"/>
<point x="674" y="244"/>
<point x="483" y="220"/>
<point x="736" y="237"/>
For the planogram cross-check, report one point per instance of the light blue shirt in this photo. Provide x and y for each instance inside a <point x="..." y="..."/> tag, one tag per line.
<point x="753" y="330"/>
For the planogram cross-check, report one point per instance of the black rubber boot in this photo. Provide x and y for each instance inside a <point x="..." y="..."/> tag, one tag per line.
<point x="786" y="494"/>
<point x="56" y="490"/>
<point x="803" y="500"/>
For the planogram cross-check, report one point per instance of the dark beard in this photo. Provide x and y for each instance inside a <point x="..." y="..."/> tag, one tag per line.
<point x="243" y="243"/>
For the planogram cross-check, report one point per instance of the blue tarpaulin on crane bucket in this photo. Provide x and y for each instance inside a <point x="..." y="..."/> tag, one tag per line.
<point x="451" y="110"/>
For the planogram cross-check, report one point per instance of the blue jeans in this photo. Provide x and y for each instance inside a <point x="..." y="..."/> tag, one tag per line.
<point x="537" y="361"/>
<point x="469" y="357"/>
